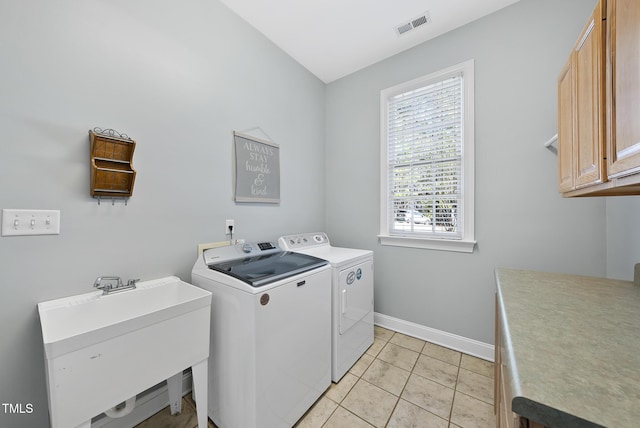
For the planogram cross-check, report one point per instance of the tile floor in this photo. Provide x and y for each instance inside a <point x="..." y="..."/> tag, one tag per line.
<point x="400" y="382"/>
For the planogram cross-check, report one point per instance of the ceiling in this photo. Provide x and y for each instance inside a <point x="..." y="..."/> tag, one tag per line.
<point x="334" y="38"/>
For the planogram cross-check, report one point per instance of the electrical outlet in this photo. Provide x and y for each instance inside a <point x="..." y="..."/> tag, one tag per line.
<point x="227" y="224"/>
<point x="30" y="222"/>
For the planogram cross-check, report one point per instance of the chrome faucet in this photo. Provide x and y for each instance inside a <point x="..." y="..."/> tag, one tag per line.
<point x="113" y="284"/>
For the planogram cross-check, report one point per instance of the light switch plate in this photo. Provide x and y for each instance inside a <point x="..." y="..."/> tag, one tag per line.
<point x="30" y="222"/>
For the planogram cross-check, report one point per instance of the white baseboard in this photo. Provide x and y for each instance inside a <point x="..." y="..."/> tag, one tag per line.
<point x="439" y="337"/>
<point x="148" y="404"/>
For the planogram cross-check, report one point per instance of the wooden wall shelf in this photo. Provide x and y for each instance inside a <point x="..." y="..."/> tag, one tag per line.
<point x="112" y="173"/>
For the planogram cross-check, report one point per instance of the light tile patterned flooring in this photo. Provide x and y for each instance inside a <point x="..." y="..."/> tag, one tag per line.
<point x="400" y="382"/>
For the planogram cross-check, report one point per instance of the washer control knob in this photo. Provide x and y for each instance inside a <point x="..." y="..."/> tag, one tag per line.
<point x="246" y="248"/>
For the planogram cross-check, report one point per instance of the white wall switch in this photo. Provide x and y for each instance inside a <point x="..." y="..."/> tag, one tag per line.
<point x="30" y="222"/>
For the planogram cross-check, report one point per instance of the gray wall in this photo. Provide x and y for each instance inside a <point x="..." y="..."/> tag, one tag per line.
<point x="178" y="77"/>
<point x="623" y="236"/>
<point x="521" y="220"/>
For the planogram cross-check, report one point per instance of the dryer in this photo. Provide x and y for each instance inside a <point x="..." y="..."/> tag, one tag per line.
<point x="351" y="296"/>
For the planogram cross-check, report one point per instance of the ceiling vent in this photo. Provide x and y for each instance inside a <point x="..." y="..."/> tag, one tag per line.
<point x="413" y="23"/>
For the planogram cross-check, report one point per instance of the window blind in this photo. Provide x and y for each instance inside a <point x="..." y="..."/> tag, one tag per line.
<point x="425" y="149"/>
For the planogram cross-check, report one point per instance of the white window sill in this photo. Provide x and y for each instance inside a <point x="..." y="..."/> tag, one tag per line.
<point x="461" y="246"/>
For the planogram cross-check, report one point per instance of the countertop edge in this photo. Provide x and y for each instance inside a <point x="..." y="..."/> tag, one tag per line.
<point x="511" y="367"/>
<point x="548" y="416"/>
<point x="535" y="411"/>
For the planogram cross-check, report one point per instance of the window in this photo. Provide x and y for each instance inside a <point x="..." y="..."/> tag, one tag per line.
<point x="427" y="161"/>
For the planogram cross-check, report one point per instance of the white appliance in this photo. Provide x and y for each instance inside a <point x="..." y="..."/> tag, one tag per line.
<point x="352" y="296"/>
<point x="270" y="347"/>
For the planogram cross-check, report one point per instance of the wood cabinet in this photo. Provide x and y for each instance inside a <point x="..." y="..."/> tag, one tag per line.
<point x="599" y="105"/>
<point x="565" y="128"/>
<point x="588" y="73"/>
<point x="623" y="94"/>
<point x="581" y="109"/>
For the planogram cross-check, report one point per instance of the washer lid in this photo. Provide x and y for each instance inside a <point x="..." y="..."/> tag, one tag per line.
<point x="265" y="269"/>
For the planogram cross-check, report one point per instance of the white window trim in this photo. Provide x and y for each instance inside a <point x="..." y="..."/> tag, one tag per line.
<point x="467" y="243"/>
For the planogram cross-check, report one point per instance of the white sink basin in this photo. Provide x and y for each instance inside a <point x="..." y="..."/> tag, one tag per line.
<point x="101" y="350"/>
<point x="78" y="321"/>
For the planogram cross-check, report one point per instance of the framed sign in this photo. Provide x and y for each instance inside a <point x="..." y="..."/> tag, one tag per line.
<point x="257" y="169"/>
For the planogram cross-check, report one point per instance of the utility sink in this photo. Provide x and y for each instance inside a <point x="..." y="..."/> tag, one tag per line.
<point x="102" y="350"/>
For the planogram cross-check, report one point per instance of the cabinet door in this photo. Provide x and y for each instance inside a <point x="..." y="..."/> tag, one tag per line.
<point x="623" y="87"/>
<point x="588" y="72"/>
<point x="565" y="129"/>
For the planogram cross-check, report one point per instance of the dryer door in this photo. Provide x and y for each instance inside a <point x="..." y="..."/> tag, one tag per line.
<point x="355" y="294"/>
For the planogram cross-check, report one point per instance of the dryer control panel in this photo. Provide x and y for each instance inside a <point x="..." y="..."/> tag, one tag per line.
<point x="303" y="240"/>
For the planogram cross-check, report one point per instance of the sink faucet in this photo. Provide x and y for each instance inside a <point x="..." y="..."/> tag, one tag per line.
<point x="113" y="284"/>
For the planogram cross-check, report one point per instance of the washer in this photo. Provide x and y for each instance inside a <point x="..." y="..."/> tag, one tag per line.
<point x="352" y="296"/>
<point x="270" y="347"/>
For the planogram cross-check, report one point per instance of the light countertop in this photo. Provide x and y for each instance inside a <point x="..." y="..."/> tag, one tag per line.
<point x="572" y="348"/>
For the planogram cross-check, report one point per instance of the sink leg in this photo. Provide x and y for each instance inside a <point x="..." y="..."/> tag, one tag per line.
<point x="174" y="386"/>
<point x="199" y="375"/>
